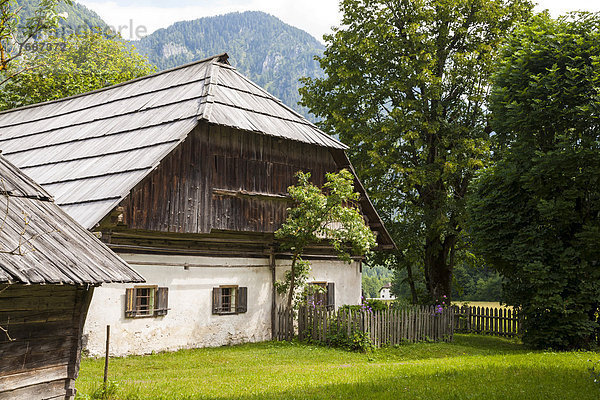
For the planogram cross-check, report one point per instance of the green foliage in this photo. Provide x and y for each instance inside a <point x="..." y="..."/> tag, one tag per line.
<point x="328" y="215"/>
<point x="19" y="27"/>
<point x="271" y="53"/>
<point x="476" y="283"/>
<point x="71" y="65"/>
<point x="75" y="17"/>
<point x="360" y="341"/>
<point x="376" y="305"/>
<point x="536" y="214"/>
<point x="405" y="87"/>
<point x="373" y="279"/>
<point x="401" y="289"/>
<point x="337" y="334"/>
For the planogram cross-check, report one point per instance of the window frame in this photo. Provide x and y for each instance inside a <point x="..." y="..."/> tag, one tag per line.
<point x="156" y="295"/>
<point x="239" y="305"/>
<point x="233" y="292"/>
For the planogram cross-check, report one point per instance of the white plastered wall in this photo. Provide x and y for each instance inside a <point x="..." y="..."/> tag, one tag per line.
<point x="189" y="322"/>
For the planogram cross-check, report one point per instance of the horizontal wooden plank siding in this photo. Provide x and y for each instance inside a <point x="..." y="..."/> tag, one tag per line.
<point x="40" y="391"/>
<point x="221" y="178"/>
<point x="39" y="350"/>
<point x="33" y="377"/>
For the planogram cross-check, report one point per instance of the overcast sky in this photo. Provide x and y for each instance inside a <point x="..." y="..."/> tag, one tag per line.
<point x="314" y="16"/>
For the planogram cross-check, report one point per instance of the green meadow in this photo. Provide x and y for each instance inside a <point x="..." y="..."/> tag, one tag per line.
<point x="471" y="367"/>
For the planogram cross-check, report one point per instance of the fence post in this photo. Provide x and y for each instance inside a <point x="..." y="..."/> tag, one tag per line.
<point x="300" y="323"/>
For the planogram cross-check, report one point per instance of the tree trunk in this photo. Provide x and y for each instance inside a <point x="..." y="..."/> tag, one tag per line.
<point x="438" y="246"/>
<point x="438" y="269"/>
<point x="411" y="283"/>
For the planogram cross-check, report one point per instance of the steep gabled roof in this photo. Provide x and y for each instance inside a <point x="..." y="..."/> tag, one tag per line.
<point x="40" y="243"/>
<point x="90" y="150"/>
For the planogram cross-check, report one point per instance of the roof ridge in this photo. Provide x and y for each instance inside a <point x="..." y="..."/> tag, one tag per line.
<point x="207" y="99"/>
<point x="41" y="194"/>
<point x="223" y="57"/>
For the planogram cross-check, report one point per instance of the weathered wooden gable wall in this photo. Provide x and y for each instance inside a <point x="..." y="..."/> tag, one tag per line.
<point x="224" y="179"/>
<point x="39" y="355"/>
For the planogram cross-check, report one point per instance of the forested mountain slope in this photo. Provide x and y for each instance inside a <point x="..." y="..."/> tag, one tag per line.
<point x="271" y="53"/>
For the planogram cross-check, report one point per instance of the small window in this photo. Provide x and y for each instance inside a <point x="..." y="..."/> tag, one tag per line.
<point x="321" y="294"/>
<point x="230" y="300"/>
<point x="146" y="301"/>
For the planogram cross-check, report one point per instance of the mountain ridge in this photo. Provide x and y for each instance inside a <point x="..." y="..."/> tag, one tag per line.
<point x="271" y="53"/>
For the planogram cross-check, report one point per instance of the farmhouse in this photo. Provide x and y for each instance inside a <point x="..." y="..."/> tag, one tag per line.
<point x="184" y="174"/>
<point x="49" y="266"/>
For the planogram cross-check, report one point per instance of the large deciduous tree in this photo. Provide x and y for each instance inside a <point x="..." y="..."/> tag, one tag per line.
<point x="536" y="214"/>
<point x="17" y="32"/>
<point x="60" y="67"/>
<point x="406" y="88"/>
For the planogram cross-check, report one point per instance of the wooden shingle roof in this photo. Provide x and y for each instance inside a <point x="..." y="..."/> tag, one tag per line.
<point x="40" y="243"/>
<point x="90" y="150"/>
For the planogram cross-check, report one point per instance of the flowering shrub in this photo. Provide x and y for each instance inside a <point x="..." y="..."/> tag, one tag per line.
<point x="441" y="304"/>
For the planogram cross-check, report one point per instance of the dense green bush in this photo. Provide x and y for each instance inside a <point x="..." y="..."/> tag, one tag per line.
<point x="535" y="216"/>
<point x="359" y="341"/>
<point x="376" y="305"/>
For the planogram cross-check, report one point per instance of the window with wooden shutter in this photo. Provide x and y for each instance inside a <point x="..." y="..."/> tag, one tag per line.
<point x="130" y="302"/>
<point x="317" y="294"/>
<point x="242" y="297"/>
<point x="162" y="301"/>
<point x="146" y="301"/>
<point x="229" y="300"/>
<point x="321" y="294"/>
<point x="217" y="307"/>
<point x="331" y="295"/>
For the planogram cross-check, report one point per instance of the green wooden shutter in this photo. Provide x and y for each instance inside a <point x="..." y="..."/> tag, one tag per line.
<point x="217" y="307"/>
<point x="162" y="301"/>
<point x="130" y="302"/>
<point x="331" y="295"/>
<point x="242" y="300"/>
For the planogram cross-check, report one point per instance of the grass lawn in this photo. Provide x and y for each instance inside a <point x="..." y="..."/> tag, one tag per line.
<point x="472" y="367"/>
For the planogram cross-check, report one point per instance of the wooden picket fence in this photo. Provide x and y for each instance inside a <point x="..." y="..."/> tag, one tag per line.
<point x="389" y="327"/>
<point x="487" y="320"/>
<point x="285" y="328"/>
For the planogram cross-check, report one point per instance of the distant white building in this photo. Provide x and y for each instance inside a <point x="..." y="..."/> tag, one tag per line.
<point x="385" y="292"/>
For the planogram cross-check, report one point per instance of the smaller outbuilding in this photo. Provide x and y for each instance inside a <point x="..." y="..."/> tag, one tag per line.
<point x="49" y="266"/>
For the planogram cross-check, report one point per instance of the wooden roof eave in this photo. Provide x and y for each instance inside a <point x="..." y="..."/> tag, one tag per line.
<point x="385" y="241"/>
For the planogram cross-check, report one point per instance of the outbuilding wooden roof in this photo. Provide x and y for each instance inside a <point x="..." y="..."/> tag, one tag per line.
<point x="90" y="150"/>
<point x="40" y="243"/>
